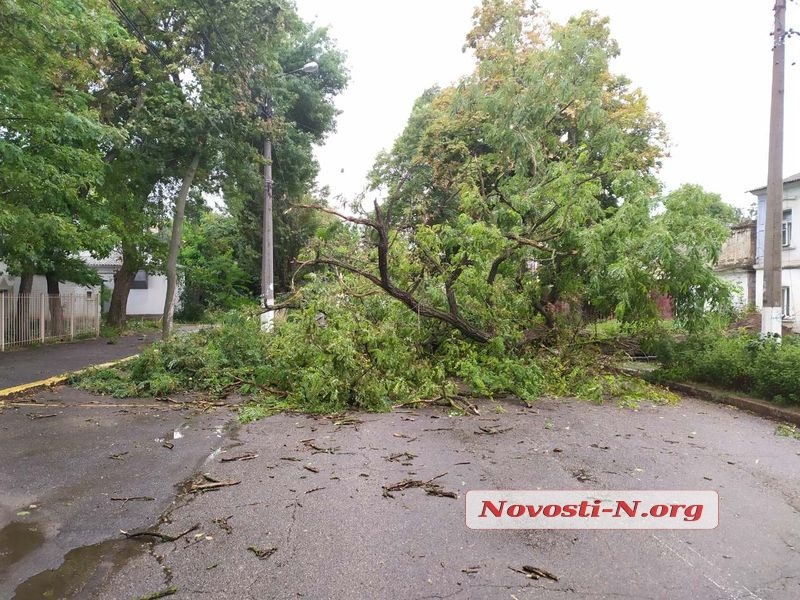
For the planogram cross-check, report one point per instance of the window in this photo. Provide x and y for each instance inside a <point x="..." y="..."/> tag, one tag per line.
<point x="786" y="308"/>
<point x="786" y="229"/>
<point x="140" y="281"/>
<point x="89" y="295"/>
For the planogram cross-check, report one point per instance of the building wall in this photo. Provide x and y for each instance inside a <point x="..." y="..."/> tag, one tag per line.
<point x="736" y="263"/>
<point x="789" y="278"/>
<point x="141" y="302"/>
<point x="790" y="256"/>
<point x="147" y="302"/>
<point x="745" y="281"/>
<point x="739" y="249"/>
<point x="11" y="285"/>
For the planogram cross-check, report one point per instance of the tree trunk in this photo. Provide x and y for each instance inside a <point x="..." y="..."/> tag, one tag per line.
<point x="54" y="301"/>
<point x="24" y="303"/>
<point x="123" y="280"/>
<point x="175" y="244"/>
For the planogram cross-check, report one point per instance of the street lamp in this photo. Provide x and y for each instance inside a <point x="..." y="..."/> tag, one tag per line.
<point x="267" y="244"/>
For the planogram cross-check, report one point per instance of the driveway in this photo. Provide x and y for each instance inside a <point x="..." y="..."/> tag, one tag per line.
<point x="302" y="511"/>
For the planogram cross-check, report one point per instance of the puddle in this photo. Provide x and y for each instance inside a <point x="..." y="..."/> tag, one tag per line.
<point x="82" y="571"/>
<point x="171" y="435"/>
<point x="17" y="540"/>
<point x="232" y="428"/>
<point x="213" y="455"/>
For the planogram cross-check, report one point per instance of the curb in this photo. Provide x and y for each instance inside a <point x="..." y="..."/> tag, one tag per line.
<point x="762" y="408"/>
<point x="41" y="384"/>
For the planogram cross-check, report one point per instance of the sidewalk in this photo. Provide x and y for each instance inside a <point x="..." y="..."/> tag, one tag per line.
<point x="764" y="408"/>
<point x="33" y="364"/>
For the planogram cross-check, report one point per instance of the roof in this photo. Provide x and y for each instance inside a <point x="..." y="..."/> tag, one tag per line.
<point x="790" y="179"/>
<point x="113" y="260"/>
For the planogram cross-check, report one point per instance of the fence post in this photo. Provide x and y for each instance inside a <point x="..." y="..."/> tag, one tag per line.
<point x="98" y="313"/>
<point x="72" y="316"/>
<point x="2" y="322"/>
<point x="41" y="318"/>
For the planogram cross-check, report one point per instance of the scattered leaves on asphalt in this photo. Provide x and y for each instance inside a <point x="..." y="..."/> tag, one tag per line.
<point x="162" y="594"/>
<point x="581" y="475"/>
<point x="401" y="457"/>
<point x="319" y="449"/>
<point x="222" y="523"/>
<point x="432" y="489"/>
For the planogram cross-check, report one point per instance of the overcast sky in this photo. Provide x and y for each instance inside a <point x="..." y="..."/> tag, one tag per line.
<point x="705" y="66"/>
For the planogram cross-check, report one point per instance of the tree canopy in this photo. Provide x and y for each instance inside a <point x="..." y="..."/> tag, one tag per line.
<point x="528" y="193"/>
<point x="114" y="114"/>
<point x="52" y="142"/>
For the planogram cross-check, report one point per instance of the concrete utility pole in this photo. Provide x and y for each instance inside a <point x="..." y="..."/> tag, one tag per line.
<point x="267" y="277"/>
<point x="771" y="311"/>
<point x="267" y="245"/>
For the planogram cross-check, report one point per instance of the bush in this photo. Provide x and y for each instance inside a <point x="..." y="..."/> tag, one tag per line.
<point x="741" y="362"/>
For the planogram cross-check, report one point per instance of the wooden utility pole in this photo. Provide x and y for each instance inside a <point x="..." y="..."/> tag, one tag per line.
<point x="771" y="311"/>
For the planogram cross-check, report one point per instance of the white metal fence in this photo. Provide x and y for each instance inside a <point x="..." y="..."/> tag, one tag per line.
<point x="39" y="318"/>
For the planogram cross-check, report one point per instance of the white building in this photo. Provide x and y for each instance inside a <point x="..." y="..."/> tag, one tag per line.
<point x="145" y="300"/>
<point x="790" y="258"/>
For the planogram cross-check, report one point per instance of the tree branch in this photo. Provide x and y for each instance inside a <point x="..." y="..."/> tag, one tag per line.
<point x="344" y="217"/>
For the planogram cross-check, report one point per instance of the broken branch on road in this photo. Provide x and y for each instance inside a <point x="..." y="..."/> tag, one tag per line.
<point x="211" y="485"/>
<point x="131" y="498"/>
<point x="318" y="449"/>
<point x="262" y="553"/>
<point x="164" y="537"/>
<point x="534" y="572"/>
<point x="432" y="489"/>
<point x="246" y="456"/>
<point x="493" y="430"/>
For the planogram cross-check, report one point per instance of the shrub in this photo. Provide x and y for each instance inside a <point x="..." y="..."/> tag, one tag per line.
<point x="741" y="362"/>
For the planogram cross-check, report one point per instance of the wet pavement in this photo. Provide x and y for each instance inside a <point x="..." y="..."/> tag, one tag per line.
<point x="77" y="468"/>
<point x="296" y="508"/>
<point x="29" y="364"/>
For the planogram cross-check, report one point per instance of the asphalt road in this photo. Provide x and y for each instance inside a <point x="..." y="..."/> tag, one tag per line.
<point x="77" y="468"/>
<point x="310" y="501"/>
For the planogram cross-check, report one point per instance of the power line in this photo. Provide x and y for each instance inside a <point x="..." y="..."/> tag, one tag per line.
<point x="137" y="32"/>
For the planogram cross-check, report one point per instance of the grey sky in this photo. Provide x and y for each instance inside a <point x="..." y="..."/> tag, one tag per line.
<point x="705" y="65"/>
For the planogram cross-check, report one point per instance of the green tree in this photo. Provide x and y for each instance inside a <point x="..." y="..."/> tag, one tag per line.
<point x="52" y="140"/>
<point x="503" y="189"/>
<point x="211" y="257"/>
<point x="190" y="98"/>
